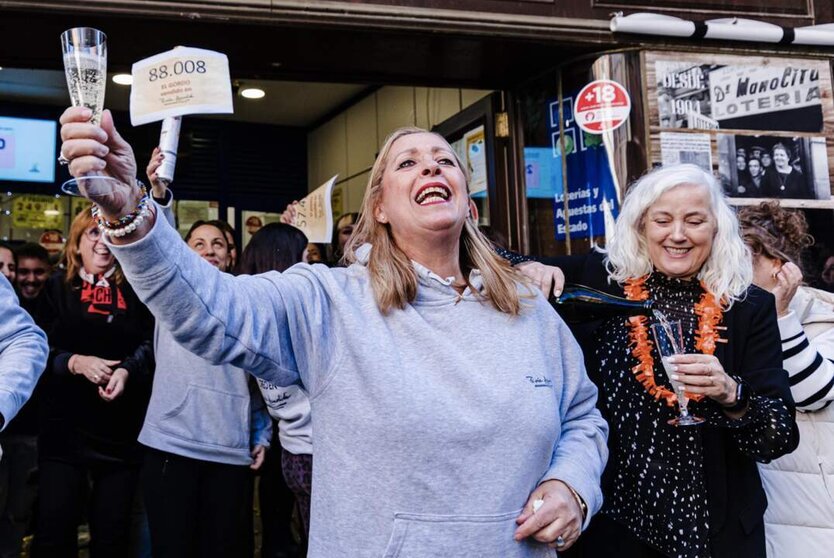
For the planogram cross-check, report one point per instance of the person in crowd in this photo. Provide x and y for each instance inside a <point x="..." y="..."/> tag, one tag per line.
<point x="206" y="429"/>
<point x="23" y="353"/>
<point x="93" y="398"/>
<point x="342" y="231"/>
<point x="18" y="467"/>
<point x="683" y="491"/>
<point x="741" y="171"/>
<point x="767" y="163"/>
<point x="231" y="250"/>
<point x="783" y="181"/>
<point x="754" y="185"/>
<point x="316" y="253"/>
<point x="800" y="513"/>
<point x="277" y="247"/>
<point x="426" y="442"/>
<point x="33" y="270"/>
<point x="8" y="263"/>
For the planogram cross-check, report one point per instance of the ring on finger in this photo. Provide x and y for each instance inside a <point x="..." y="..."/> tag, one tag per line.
<point x="63" y="161"/>
<point x="560" y="541"/>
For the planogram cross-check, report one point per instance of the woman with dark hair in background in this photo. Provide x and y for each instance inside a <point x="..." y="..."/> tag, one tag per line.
<point x="316" y="253"/>
<point x="206" y="429"/>
<point x="231" y="250"/>
<point x="94" y="393"/>
<point x="800" y="514"/>
<point x="342" y="231"/>
<point x="276" y="247"/>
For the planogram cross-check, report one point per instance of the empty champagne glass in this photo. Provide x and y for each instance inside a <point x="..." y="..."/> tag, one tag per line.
<point x="85" y="65"/>
<point x="668" y="336"/>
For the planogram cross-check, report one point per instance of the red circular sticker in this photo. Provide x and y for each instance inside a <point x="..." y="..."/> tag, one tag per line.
<point x="53" y="241"/>
<point x="602" y="105"/>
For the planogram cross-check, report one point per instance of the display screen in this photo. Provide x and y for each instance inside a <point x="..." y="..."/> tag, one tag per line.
<point x="27" y="149"/>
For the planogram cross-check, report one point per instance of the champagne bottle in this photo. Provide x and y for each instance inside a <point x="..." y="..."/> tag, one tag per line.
<point x="579" y="303"/>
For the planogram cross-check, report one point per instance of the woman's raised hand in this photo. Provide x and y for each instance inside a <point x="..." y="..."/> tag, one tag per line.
<point x="788" y="279"/>
<point x="556" y="520"/>
<point x="157" y="187"/>
<point x="288" y="216"/>
<point x="93" y="149"/>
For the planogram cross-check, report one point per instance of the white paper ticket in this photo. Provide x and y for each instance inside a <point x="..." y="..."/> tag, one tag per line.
<point x="314" y="214"/>
<point x="181" y="81"/>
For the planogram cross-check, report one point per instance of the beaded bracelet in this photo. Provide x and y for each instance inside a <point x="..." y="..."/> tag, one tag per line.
<point x="127" y="223"/>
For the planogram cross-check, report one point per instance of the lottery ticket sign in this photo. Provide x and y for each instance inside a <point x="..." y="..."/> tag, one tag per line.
<point x="601" y="106"/>
<point x="181" y="81"/>
<point x="314" y="214"/>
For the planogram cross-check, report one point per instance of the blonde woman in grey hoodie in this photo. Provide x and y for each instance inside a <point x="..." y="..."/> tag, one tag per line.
<point x="452" y="412"/>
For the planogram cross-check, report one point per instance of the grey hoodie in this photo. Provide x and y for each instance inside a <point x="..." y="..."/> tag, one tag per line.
<point x="23" y="352"/>
<point x="432" y="424"/>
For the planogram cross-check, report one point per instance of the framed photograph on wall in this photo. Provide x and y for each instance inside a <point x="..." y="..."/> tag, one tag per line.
<point x="765" y="121"/>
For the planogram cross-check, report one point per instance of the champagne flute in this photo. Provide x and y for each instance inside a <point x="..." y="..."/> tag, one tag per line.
<point x="668" y="338"/>
<point x="85" y="66"/>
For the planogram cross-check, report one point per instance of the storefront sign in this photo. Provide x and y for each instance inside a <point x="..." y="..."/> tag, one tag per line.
<point x="749" y="90"/>
<point x="732" y="92"/>
<point x="591" y="193"/>
<point x="37" y="212"/>
<point x="602" y="106"/>
<point x="178" y="82"/>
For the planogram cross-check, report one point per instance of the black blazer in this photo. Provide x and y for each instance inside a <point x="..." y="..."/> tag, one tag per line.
<point x="736" y="498"/>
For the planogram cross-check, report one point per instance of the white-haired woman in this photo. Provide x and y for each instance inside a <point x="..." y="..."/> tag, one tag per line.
<point x="683" y="491"/>
<point x="452" y="412"/>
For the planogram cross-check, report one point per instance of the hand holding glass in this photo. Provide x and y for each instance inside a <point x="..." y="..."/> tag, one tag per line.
<point x="85" y="65"/>
<point x="668" y="338"/>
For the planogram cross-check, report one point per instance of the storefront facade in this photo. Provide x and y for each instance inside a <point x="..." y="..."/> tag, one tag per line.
<point x="515" y="67"/>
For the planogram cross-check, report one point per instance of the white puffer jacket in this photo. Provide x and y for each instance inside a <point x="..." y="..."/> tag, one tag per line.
<point x="800" y="486"/>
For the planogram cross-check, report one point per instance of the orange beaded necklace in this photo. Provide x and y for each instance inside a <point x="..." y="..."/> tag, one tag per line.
<point x="709" y="316"/>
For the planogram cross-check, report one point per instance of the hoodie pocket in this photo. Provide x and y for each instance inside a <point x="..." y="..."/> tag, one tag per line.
<point x="461" y="536"/>
<point x="209" y="416"/>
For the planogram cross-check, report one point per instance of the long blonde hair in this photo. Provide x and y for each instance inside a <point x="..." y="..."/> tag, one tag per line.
<point x="393" y="277"/>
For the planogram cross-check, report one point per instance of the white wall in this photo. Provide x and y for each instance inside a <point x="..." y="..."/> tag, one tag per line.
<point x="347" y="144"/>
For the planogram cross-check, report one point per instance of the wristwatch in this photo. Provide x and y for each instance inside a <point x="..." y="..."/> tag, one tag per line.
<point x="742" y="396"/>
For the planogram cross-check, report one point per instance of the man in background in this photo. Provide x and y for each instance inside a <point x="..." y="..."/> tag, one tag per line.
<point x="33" y="269"/>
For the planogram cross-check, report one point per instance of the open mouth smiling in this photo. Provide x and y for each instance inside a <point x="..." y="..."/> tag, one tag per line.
<point x="677" y="251"/>
<point x="433" y="193"/>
